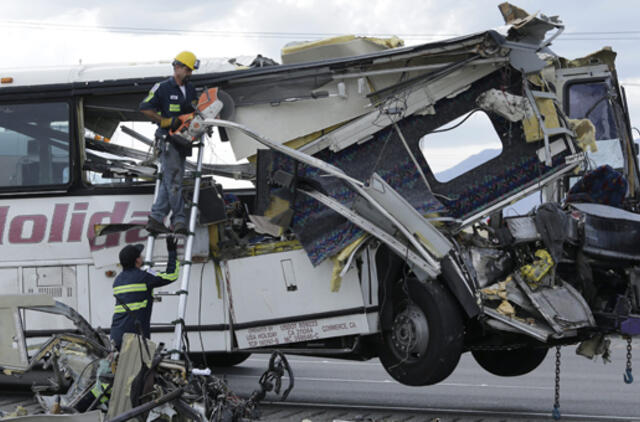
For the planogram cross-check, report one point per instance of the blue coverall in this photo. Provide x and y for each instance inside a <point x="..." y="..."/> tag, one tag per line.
<point x="133" y="289"/>
<point x="167" y="99"/>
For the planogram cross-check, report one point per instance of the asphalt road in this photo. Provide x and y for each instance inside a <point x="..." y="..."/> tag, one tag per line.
<point x="589" y="389"/>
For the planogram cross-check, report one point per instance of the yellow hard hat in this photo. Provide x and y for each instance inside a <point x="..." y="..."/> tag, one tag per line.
<point x="188" y="59"/>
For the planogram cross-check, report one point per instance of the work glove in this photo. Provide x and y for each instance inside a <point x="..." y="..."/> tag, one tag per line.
<point x="171" y="123"/>
<point x="172" y="244"/>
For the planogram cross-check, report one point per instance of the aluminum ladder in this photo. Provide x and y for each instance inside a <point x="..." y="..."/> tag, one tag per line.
<point x="185" y="270"/>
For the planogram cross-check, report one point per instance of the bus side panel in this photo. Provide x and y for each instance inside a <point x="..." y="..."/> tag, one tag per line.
<point x="281" y="298"/>
<point x="206" y="320"/>
<point x="9" y="282"/>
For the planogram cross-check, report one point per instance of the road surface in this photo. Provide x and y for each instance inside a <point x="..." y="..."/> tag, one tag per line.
<point x="589" y="389"/>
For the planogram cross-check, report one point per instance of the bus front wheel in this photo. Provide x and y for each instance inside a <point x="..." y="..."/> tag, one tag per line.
<point x="425" y="341"/>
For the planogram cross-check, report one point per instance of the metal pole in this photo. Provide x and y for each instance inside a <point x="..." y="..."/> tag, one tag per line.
<point x="139" y="410"/>
<point x="185" y="272"/>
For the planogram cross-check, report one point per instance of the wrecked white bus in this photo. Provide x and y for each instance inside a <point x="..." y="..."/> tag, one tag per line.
<point x="350" y="245"/>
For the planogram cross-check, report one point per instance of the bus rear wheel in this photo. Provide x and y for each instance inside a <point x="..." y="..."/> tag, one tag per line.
<point x="510" y="363"/>
<point x="424" y="344"/>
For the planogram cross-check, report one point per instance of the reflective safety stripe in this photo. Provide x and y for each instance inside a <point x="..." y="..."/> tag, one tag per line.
<point x="170" y="276"/>
<point x="133" y="306"/>
<point x="174" y="107"/>
<point x="98" y="389"/>
<point x="129" y="288"/>
<point x="151" y="93"/>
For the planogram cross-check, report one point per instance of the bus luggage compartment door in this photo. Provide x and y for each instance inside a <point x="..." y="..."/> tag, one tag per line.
<point x="281" y="298"/>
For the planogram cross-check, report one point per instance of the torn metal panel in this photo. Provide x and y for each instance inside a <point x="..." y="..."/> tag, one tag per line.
<point x="308" y="112"/>
<point x="606" y="56"/>
<point x="528" y="28"/>
<point x="435" y="242"/>
<point x="331" y="48"/>
<point x="329" y="234"/>
<point x="129" y="365"/>
<point x="515" y="108"/>
<point x="13" y="351"/>
<point x="562" y="307"/>
<point x="416" y="98"/>
<point x="419" y="265"/>
<point x="535" y="330"/>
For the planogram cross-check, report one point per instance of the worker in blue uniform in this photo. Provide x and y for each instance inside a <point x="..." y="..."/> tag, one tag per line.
<point x="133" y="290"/>
<point x="165" y="102"/>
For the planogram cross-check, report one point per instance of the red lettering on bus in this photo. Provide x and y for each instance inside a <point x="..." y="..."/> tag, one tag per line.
<point x="20" y="230"/>
<point x="17" y="226"/>
<point x="115" y="217"/>
<point x="57" y="222"/>
<point x="77" y="222"/>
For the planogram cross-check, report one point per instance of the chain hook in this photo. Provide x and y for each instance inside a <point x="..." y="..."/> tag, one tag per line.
<point x="628" y="376"/>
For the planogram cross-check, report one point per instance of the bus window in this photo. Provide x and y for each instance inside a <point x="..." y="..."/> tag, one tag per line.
<point x="451" y="153"/>
<point x="96" y="174"/>
<point x="34" y="144"/>
<point x="590" y="100"/>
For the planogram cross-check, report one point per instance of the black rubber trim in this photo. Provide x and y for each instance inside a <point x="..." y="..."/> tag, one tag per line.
<point x="275" y="321"/>
<point x="220" y="327"/>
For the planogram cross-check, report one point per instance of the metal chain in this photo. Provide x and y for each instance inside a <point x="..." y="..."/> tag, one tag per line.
<point x="556" y="403"/>
<point x="628" y="376"/>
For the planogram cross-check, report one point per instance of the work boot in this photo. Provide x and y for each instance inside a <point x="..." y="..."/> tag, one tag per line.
<point x="155" y="227"/>
<point x="180" y="228"/>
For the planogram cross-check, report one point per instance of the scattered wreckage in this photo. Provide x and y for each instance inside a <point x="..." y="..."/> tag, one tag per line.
<point x="141" y="381"/>
<point x="362" y="250"/>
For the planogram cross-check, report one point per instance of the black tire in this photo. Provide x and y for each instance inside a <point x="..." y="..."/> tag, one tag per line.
<point x="510" y="363"/>
<point x="415" y="359"/>
<point x="221" y="359"/>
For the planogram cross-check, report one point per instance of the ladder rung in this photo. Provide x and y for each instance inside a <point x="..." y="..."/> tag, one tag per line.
<point x="164" y="235"/>
<point x="558" y="131"/>
<point x="542" y="94"/>
<point x="165" y="293"/>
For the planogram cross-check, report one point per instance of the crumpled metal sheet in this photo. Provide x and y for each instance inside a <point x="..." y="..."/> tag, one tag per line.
<point x="324" y="233"/>
<point x="512" y="107"/>
<point x="561" y="306"/>
<point x="129" y="365"/>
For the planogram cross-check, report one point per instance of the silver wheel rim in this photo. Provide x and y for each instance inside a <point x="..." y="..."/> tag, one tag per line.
<point x="410" y="334"/>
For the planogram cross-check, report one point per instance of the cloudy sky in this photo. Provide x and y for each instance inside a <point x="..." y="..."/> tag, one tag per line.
<point x="65" y="32"/>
